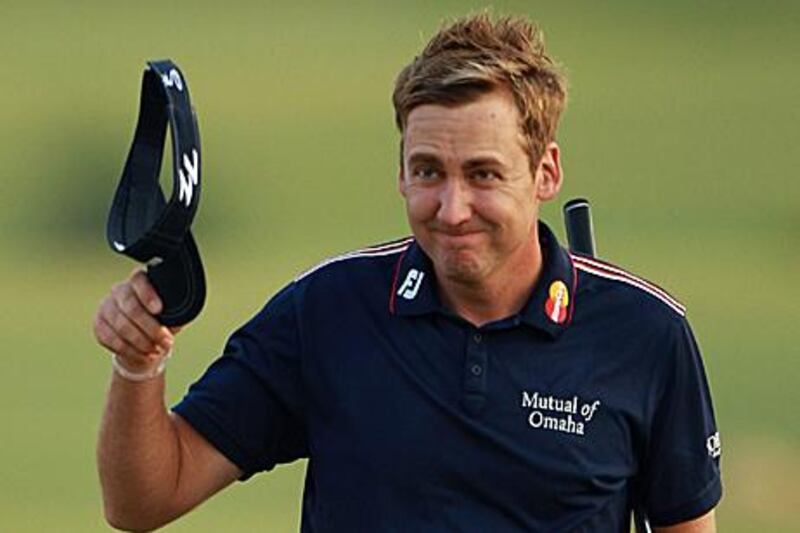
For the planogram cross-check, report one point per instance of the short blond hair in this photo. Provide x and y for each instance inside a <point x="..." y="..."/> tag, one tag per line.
<point x="476" y="55"/>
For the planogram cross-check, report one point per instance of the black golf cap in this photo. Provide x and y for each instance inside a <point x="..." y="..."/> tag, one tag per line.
<point x="142" y="223"/>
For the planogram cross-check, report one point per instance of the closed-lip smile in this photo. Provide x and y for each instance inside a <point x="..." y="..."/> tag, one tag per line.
<point x="457" y="236"/>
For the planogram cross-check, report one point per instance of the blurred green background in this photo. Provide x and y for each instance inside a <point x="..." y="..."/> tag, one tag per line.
<point x="681" y="129"/>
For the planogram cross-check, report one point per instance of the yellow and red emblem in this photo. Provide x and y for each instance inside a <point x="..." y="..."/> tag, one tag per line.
<point x="557" y="302"/>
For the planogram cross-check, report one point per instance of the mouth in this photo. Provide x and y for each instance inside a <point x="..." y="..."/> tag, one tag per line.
<point x="458" y="238"/>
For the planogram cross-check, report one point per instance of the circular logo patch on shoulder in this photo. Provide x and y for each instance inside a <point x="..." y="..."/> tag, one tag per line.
<point x="557" y="302"/>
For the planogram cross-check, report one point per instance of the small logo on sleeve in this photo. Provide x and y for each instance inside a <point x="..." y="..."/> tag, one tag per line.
<point x="411" y="284"/>
<point x="714" y="445"/>
<point x="557" y="302"/>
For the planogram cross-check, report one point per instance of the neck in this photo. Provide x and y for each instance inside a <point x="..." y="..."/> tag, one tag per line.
<point x="500" y="295"/>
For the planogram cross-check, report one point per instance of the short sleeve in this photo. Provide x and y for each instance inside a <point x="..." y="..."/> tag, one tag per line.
<point x="682" y="474"/>
<point x="249" y="402"/>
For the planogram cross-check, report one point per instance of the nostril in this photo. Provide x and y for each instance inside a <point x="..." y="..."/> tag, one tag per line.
<point x="453" y="213"/>
<point x="454" y="206"/>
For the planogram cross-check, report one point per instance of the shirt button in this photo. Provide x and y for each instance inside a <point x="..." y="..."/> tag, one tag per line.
<point x="477" y="338"/>
<point x="476" y="370"/>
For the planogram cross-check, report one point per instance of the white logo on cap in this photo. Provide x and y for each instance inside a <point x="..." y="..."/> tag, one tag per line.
<point x="172" y="79"/>
<point x="410" y="286"/>
<point x="186" y="185"/>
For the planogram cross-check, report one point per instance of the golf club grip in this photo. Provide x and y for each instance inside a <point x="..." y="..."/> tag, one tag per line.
<point x="578" y="221"/>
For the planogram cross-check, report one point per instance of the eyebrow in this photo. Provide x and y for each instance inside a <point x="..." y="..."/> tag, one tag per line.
<point x="476" y="162"/>
<point x="424" y="157"/>
<point x="484" y="161"/>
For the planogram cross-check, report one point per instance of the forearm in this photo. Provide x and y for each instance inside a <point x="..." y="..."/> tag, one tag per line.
<point x="138" y="455"/>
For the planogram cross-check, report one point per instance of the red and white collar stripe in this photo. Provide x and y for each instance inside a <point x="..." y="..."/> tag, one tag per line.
<point x="605" y="270"/>
<point x="371" y="251"/>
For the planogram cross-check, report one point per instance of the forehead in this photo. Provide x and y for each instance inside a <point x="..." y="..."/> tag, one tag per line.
<point x="490" y="122"/>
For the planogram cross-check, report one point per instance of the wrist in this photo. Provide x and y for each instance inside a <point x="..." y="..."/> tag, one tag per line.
<point x="136" y="375"/>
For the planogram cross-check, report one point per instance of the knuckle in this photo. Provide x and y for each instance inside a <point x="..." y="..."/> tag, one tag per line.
<point x="137" y="339"/>
<point x="116" y="345"/>
<point x="129" y="304"/>
<point x="101" y="336"/>
<point x="105" y="316"/>
<point x="151" y="330"/>
<point x="132" y="336"/>
<point x="98" y="327"/>
<point x="104" y="303"/>
<point x="117" y="289"/>
<point x="140" y="341"/>
<point x="102" y="309"/>
<point x="144" y="290"/>
<point x="139" y="279"/>
<point x="120" y="323"/>
<point x="146" y="323"/>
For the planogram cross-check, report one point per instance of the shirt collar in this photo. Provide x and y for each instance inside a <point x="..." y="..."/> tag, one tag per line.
<point x="549" y="307"/>
<point x="413" y="290"/>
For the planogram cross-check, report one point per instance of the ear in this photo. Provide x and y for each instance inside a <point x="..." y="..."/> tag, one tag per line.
<point x="549" y="176"/>
<point x="401" y="182"/>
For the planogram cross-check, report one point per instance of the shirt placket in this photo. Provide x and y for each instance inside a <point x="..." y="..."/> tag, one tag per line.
<point x="475" y="373"/>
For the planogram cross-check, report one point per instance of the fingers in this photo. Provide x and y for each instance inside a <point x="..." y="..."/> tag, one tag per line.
<point x="117" y="314"/>
<point x="145" y="292"/>
<point x="129" y="304"/>
<point x="125" y="325"/>
<point x="107" y="336"/>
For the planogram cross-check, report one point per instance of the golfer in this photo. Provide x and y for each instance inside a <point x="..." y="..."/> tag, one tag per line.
<point x="472" y="377"/>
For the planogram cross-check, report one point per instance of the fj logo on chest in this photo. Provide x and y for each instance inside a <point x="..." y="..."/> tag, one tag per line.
<point x="553" y="413"/>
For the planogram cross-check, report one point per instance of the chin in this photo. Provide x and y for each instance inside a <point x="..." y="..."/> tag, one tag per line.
<point x="462" y="269"/>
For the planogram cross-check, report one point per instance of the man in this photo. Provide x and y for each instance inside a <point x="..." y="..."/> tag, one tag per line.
<point x="475" y="377"/>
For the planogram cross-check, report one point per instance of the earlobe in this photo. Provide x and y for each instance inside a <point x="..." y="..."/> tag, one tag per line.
<point x="550" y="174"/>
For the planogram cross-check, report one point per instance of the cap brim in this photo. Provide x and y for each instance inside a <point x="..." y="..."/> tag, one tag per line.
<point x="180" y="282"/>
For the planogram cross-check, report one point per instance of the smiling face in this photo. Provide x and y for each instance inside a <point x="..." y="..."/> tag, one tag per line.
<point x="471" y="197"/>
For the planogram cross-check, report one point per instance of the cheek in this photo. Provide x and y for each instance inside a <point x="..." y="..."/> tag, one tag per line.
<point x="495" y="205"/>
<point x="420" y="205"/>
<point x="516" y="212"/>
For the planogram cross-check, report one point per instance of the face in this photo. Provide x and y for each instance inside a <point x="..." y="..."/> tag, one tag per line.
<point x="471" y="197"/>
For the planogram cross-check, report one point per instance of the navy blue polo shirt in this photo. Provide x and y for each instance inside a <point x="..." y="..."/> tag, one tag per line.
<point x="590" y="402"/>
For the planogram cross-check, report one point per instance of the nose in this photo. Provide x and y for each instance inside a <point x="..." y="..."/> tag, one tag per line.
<point x="455" y="203"/>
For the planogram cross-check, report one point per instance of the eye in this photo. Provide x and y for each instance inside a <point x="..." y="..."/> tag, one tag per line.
<point x="425" y="173"/>
<point x="484" y="175"/>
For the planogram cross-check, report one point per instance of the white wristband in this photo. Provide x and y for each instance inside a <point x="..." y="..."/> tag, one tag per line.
<point x="137" y="377"/>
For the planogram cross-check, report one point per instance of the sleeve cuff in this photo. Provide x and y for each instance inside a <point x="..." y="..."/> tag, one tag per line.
<point x="702" y="504"/>
<point x="218" y="438"/>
